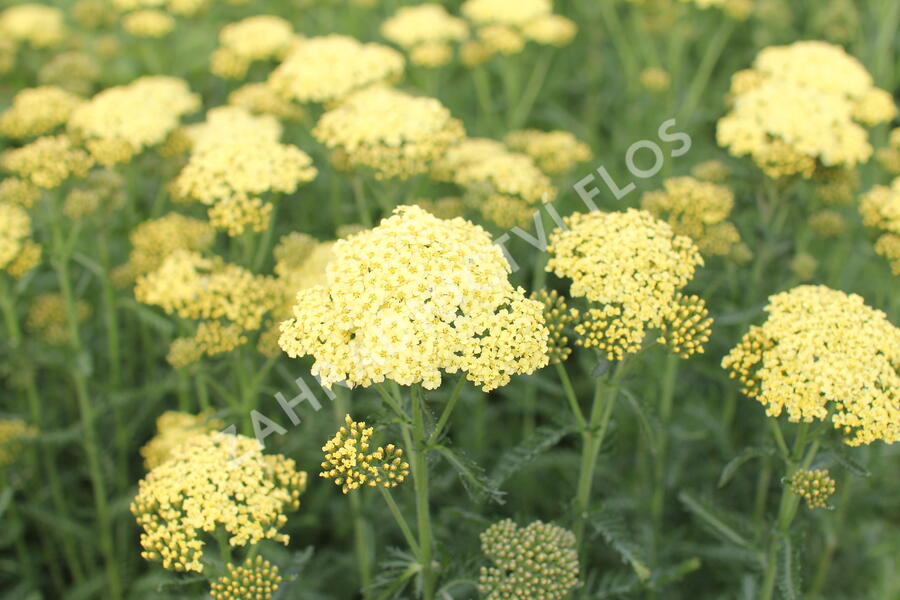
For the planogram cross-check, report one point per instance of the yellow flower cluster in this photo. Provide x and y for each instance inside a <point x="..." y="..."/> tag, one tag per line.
<point x="558" y="317"/>
<point x="260" y="37"/>
<point x="17" y="191"/>
<point x="889" y="156"/>
<point x="828" y="223"/>
<point x="328" y="68"/>
<point x="194" y="287"/>
<point x="426" y="31"/>
<point x="230" y="168"/>
<point x="697" y="209"/>
<point x="121" y="121"/>
<point x="836" y="186"/>
<point x="13" y="433"/>
<point x="48" y="161"/>
<point x="712" y="170"/>
<point x="629" y="262"/>
<point x="800" y="107"/>
<point x="537" y="561"/>
<point x="880" y="210"/>
<point x="148" y="23"/>
<point x="823" y="353"/>
<point x="47" y="318"/>
<point x="173" y="429"/>
<point x="687" y="327"/>
<point x="214" y="480"/>
<point x="391" y="132"/>
<point x="448" y="207"/>
<point x="352" y="466"/>
<point x="74" y="71"/>
<point x="260" y="99"/>
<point x="655" y="79"/>
<point x="506" y="186"/>
<point x="414" y="296"/>
<point x="554" y="151"/>
<point x="179" y="7"/>
<point x="256" y="579"/>
<point x="815" y="486"/>
<point x="504" y="26"/>
<point x="36" y="111"/>
<point x="18" y="253"/>
<point x="36" y="24"/>
<point x="154" y="240"/>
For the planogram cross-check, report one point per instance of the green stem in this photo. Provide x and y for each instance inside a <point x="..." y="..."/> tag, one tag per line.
<point x="419" y="455"/>
<point x="570" y="395"/>
<point x="666" y="396"/>
<point x="708" y="61"/>
<point x="592" y="442"/>
<point x="9" y="313"/>
<point x="448" y="410"/>
<point x="519" y="114"/>
<point x="401" y="521"/>
<point x="362" y="206"/>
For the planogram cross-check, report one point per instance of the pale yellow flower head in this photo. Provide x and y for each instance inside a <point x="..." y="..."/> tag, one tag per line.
<point x="148" y="23"/>
<point x="551" y="30"/>
<point x="74" y="71"/>
<point x="174" y="428"/>
<point x="391" y="132"/>
<point x="412" y="297"/>
<point x="18" y="191"/>
<point x="37" y="111"/>
<point x="632" y="265"/>
<point x="15" y="230"/>
<point x="823" y="354"/>
<point x="260" y="99"/>
<point x="47" y="162"/>
<point x="260" y="37"/>
<point x="506" y="12"/>
<point x="507" y="187"/>
<point x="121" y="121"/>
<point x="352" y="464"/>
<point x="697" y="209"/>
<point x="426" y="32"/>
<point x="214" y="481"/>
<point x="48" y="320"/>
<point x="328" y="68"/>
<point x="178" y="7"/>
<point x="36" y="24"/>
<point x="154" y="240"/>
<point x="803" y="106"/>
<point x="554" y="151"/>
<point x="880" y="210"/>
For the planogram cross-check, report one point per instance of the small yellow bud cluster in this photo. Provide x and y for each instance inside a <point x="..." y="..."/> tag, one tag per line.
<point x="814" y="486"/>
<point x="389" y="131"/>
<point x="823" y="352"/>
<point x="554" y="152"/>
<point x="558" y="317"/>
<point x="697" y="209"/>
<point x="426" y="31"/>
<point x="37" y="111"/>
<point x="687" y="327"/>
<point x="880" y="210"/>
<point x="214" y="480"/>
<point x="256" y="579"/>
<point x="148" y="23"/>
<point x="256" y="38"/>
<point x="47" y="318"/>
<point x="121" y="121"/>
<point x="13" y="435"/>
<point x="327" y="68"/>
<point x="174" y="428"/>
<point x="803" y="107"/>
<point x="47" y="162"/>
<point x="713" y="170"/>
<point x="804" y="266"/>
<point x="504" y="26"/>
<point x="655" y="79"/>
<point x="535" y="562"/>
<point x="352" y="466"/>
<point x="506" y="186"/>
<point x="828" y="223"/>
<point x="414" y="296"/>
<point x="613" y="332"/>
<point x="836" y="186"/>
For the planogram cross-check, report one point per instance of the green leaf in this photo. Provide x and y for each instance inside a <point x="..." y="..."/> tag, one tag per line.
<point x="544" y="438"/>
<point x="472" y="476"/>
<point x="724" y="525"/>
<point x="649" y="423"/>
<point x="148" y="316"/>
<point x="841" y="456"/>
<point x="612" y="527"/>
<point x="735" y="463"/>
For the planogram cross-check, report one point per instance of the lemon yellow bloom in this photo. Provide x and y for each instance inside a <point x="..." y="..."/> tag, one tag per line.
<point x="174" y="428"/>
<point x="352" y="464"/>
